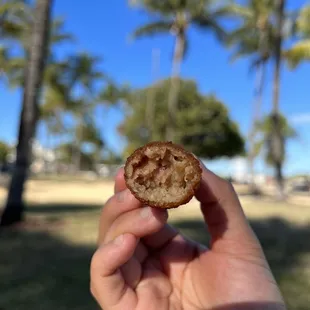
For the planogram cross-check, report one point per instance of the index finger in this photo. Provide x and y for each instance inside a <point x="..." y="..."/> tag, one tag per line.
<point x="120" y="194"/>
<point x="118" y="204"/>
<point x="120" y="184"/>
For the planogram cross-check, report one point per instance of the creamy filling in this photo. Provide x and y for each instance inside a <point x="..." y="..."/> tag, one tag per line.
<point x="162" y="175"/>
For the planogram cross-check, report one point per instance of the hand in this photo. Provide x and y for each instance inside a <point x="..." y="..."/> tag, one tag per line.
<point x="143" y="263"/>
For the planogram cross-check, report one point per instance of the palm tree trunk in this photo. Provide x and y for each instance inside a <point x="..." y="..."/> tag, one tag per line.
<point x="48" y="140"/>
<point x="76" y="154"/>
<point x="280" y="181"/>
<point x="277" y="141"/>
<point x="259" y="88"/>
<point x="77" y="158"/>
<point x="150" y="105"/>
<point x="175" y="86"/>
<point x="14" y="209"/>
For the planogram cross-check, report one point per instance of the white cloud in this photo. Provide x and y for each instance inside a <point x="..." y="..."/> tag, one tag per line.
<point x="301" y="119"/>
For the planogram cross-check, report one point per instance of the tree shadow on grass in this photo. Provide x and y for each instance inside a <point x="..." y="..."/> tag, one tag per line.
<point x="285" y="245"/>
<point x="55" y="208"/>
<point x="4" y="180"/>
<point x="39" y="270"/>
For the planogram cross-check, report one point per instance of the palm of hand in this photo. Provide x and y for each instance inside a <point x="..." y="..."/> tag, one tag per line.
<point x="184" y="275"/>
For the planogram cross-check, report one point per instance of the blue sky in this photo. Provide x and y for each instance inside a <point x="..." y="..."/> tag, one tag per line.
<point x="103" y="28"/>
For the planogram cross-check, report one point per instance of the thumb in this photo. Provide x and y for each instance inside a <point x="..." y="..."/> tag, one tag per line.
<point x="107" y="283"/>
<point x="222" y="212"/>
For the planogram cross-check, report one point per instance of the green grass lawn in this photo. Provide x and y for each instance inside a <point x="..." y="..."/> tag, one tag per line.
<point x="46" y="265"/>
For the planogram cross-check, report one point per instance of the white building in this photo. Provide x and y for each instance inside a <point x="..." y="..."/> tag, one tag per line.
<point x="44" y="159"/>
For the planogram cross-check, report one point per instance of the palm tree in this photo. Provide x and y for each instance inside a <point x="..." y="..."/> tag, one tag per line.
<point x="81" y="73"/>
<point x="70" y="89"/>
<point x="53" y="108"/>
<point x="278" y="24"/>
<point x="13" y="67"/>
<point x="111" y="94"/>
<point x="265" y="128"/>
<point x="254" y="39"/>
<point x="300" y="51"/>
<point x="277" y="145"/>
<point x="176" y="17"/>
<point x="34" y="72"/>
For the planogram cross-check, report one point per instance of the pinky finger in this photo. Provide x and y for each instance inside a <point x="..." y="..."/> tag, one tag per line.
<point x="107" y="283"/>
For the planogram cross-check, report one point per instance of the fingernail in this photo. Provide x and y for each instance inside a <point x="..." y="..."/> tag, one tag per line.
<point x="145" y="212"/>
<point x="119" y="240"/>
<point x="120" y="197"/>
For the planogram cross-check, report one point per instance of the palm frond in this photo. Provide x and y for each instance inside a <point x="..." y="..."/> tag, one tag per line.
<point x="14" y="15"/>
<point x="186" y="47"/>
<point x="245" y="33"/>
<point x="258" y="148"/>
<point x="303" y="24"/>
<point x="12" y="7"/>
<point x="234" y="10"/>
<point x="298" y="53"/>
<point x="153" y="28"/>
<point x="164" y="7"/>
<point x="205" y="21"/>
<point x="112" y="94"/>
<point x="10" y="29"/>
<point x="245" y="48"/>
<point x="58" y="33"/>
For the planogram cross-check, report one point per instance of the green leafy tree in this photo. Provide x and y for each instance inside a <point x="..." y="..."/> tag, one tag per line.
<point x="34" y="73"/>
<point x="4" y="152"/>
<point x="176" y="17"/>
<point x="203" y="124"/>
